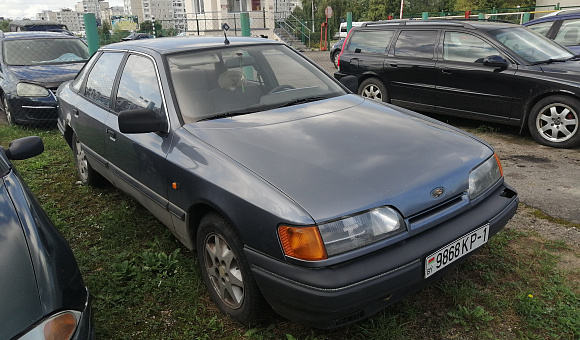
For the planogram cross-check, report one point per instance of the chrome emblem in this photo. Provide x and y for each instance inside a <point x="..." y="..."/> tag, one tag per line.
<point x="437" y="192"/>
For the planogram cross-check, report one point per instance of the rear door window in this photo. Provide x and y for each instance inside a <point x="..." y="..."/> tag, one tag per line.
<point x="569" y="33"/>
<point x="101" y="78"/>
<point x="416" y="43"/>
<point x="369" y="41"/>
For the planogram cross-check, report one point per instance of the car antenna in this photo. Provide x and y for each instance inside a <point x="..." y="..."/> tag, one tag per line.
<point x="226" y="27"/>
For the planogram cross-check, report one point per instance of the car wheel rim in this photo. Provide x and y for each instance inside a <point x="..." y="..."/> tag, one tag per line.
<point x="335" y="59"/>
<point x="373" y="92"/>
<point x="7" y="111"/>
<point x="557" y="122"/>
<point x="224" y="271"/>
<point x="81" y="161"/>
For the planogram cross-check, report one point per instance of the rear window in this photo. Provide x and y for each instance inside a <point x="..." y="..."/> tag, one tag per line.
<point x="369" y="41"/>
<point x="416" y="43"/>
<point x="28" y="52"/>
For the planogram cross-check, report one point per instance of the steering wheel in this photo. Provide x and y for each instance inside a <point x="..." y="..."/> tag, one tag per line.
<point x="281" y="88"/>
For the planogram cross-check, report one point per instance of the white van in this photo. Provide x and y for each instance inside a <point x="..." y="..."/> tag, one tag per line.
<point x="343" y="32"/>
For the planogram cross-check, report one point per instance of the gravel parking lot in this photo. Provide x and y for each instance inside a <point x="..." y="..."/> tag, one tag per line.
<point x="546" y="179"/>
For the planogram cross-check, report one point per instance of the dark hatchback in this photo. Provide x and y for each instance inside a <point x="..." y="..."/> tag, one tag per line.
<point x="42" y="294"/>
<point x="491" y="71"/>
<point x="32" y="66"/>
<point x="296" y="194"/>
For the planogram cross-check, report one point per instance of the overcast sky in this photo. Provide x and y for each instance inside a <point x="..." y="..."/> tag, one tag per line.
<point x="19" y="9"/>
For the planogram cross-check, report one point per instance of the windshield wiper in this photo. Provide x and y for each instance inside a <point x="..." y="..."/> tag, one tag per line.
<point x="226" y="114"/>
<point x="574" y="57"/>
<point x="302" y="101"/>
<point x="549" y="61"/>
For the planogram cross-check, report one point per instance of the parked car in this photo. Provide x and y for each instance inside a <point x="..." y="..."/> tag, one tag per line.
<point x="335" y="51"/>
<point x="32" y="66"/>
<point x="43" y="295"/>
<point x="323" y="205"/>
<point x="137" y="36"/>
<point x="495" y="72"/>
<point x="36" y="25"/>
<point x="562" y="27"/>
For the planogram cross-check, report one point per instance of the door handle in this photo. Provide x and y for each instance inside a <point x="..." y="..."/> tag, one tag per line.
<point x="393" y="64"/>
<point x="112" y="134"/>
<point x="445" y="71"/>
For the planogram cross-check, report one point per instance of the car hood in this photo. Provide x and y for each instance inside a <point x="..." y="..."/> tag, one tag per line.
<point x="47" y="75"/>
<point x="20" y="304"/>
<point x="568" y="68"/>
<point x="347" y="154"/>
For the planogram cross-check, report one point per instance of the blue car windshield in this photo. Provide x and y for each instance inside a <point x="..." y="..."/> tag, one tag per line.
<point x="30" y="52"/>
<point x="531" y="46"/>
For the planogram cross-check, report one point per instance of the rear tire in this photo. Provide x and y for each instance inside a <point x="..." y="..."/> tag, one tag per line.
<point x="555" y="121"/>
<point x="373" y="88"/>
<point x="226" y="274"/>
<point x="87" y="175"/>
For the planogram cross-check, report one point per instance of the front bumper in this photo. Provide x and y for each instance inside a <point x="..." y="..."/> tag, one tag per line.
<point x="34" y="110"/>
<point x="333" y="296"/>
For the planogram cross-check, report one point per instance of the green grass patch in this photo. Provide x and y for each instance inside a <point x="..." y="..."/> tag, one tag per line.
<point x="145" y="285"/>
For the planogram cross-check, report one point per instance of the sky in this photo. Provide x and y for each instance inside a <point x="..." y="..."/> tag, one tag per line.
<point x="19" y="9"/>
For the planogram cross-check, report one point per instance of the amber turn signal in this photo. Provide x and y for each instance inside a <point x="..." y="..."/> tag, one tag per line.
<point x="498" y="164"/>
<point x="304" y="243"/>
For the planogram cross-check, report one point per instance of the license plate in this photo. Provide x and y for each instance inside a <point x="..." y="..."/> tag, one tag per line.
<point x="455" y="250"/>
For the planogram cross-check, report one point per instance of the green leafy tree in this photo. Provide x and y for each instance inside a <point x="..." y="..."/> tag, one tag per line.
<point x="5" y="25"/>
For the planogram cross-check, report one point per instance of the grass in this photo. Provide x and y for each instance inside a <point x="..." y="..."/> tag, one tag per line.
<point x="146" y="285"/>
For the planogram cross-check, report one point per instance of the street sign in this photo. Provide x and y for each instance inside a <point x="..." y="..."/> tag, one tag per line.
<point x="328" y="12"/>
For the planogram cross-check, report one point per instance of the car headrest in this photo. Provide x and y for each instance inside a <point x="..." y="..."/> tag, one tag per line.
<point x="231" y="79"/>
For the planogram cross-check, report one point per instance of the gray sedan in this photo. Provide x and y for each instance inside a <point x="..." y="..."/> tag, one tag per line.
<point x="298" y="196"/>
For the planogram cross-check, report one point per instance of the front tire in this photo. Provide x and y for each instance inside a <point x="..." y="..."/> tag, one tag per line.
<point x="335" y="59"/>
<point x="373" y="88"/>
<point x="226" y="273"/>
<point x="7" y="111"/>
<point x="555" y="121"/>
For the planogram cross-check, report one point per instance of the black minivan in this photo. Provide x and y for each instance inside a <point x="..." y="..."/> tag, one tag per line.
<point x="492" y="71"/>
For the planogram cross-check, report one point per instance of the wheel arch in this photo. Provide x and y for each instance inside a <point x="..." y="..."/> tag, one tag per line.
<point x="196" y="213"/>
<point x="531" y="103"/>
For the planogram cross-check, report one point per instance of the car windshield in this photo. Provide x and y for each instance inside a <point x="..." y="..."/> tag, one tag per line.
<point x="240" y="80"/>
<point x="28" y="52"/>
<point x="531" y="46"/>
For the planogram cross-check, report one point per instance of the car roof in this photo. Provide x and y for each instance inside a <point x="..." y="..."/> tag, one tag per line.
<point x="562" y="15"/>
<point x="169" y="45"/>
<point x="35" y="35"/>
<point x="472" y="24"/>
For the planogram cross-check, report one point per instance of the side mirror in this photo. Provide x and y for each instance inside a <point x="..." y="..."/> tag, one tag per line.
<point x="495" y="61"/>
<point x="25" y="148"/>
<point x="350" y="82"/>
<point x="140" y="121"/>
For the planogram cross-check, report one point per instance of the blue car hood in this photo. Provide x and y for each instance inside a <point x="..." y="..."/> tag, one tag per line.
<point x="53" y="74"/>
<point x="20" y="304"/>
<point x="344" y="155"/>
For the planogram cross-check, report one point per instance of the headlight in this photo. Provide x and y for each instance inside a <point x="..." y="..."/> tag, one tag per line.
<point x="484" y="176"/>
<point x="317" y="243"/>
<point x="60" y="326"/>
<point x="31" y="90"/>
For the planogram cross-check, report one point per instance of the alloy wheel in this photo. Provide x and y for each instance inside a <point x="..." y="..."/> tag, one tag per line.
<point x="224" y="270"/>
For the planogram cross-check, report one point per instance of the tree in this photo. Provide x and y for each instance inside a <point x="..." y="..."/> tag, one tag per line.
<point x="5" y="25"/>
